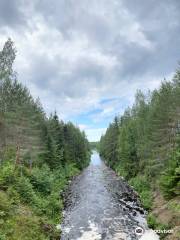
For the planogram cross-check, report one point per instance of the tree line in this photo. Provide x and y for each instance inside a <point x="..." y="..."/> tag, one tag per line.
<point x="144" y="142"/>
<point x="25" y="126"/>
<point x="38" y="155"/>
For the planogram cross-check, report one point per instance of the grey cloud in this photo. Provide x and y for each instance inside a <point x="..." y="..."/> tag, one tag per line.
<point x="47" y="74"/>
<point x="11" y="14"/>
<point x="159" y="20"/>
<point x="152" y="11"/>
<point x="81" y="16"/>
<point x="42" y="71"/>
<point x="90" y="71"/>
<point x="107" y="27"/>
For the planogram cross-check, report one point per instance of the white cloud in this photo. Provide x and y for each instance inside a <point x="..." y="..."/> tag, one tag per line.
<point x="74" y="55"/>
<point x="93" y="134"/>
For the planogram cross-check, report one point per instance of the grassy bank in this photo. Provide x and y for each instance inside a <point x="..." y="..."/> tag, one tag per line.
<point x="163" y="213"/>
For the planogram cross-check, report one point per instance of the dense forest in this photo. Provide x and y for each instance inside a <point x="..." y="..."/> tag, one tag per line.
<point x="143" y="146"/>
<point x="94" y="146"/>
<point x="38" y="156"/>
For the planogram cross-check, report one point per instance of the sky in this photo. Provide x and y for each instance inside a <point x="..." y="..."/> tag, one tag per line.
<point x="86" y="59"/>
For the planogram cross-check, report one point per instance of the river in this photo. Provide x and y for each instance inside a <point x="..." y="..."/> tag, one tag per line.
<point x="101" y="205"/>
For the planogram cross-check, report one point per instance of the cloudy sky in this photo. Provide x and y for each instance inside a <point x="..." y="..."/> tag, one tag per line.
<point x="87" y="58"/>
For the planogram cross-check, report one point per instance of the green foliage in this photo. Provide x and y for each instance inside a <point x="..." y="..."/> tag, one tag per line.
<point x="41" y="194"/>
<point x="152" y="221"/>
<point x="7" y="175"/>
<point x="174" y="206"/>
<point x="26" y="227"/>
<point x="64" y="143"/>
<point x="146" y="198"/>
<point x="13" y="195"/>
<point x="25" y="190"/>
<point x="154" y="224"/>
<point x="71" y="170"/>
<point x="142" y="186"/>
<point x="40" y="181"/>
<point x="94" y="146"/>
<point x="2" y="237"/>
<point x="140" y="183"/>
<point x="170" y="178"/>
<point x="109" y="144"/>
<point x="54" y="207"/>
<point x="121" y="171"/>
<point x="5" y="204"/>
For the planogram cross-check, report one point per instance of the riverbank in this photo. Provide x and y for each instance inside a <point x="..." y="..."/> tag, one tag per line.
<point x="163" y="214"/>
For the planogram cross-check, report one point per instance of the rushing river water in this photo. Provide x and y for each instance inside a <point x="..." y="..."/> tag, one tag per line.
<point x="100" y="205"/>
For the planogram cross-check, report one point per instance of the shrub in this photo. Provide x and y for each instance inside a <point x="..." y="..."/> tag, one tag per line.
<point x="25" y="190"/>
<point x="13" y="195"/>
<point x="152" y="222"/>
<point x="42" y="179"/>
<point x="25" y="227"/>
<point x="170" y="178"/>
<point x="142" y="186"/>
<point x="140" y="183"/>
<point x="2" y="236"/>
<point x="146" y="198"/>
<point x="174" y="206"/>
<point x="5" y="204"/>
<point x="71" y="170"/>
<point x="7" y="175"/>
<point x="121" y="171"/>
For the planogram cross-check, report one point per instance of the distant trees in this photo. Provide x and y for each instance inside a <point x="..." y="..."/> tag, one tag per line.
<point x="65" y="143"/>
<point x="94" y="146"/>
<point x="109" y="143"/>
<point x="145" y="139"/>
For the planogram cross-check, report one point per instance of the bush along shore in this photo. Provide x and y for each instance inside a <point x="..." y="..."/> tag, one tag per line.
<point x="38" y="157"/>
<point x="143" y="146"/>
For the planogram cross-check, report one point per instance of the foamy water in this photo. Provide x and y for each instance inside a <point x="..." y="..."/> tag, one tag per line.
<point x="92" y="234"/>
